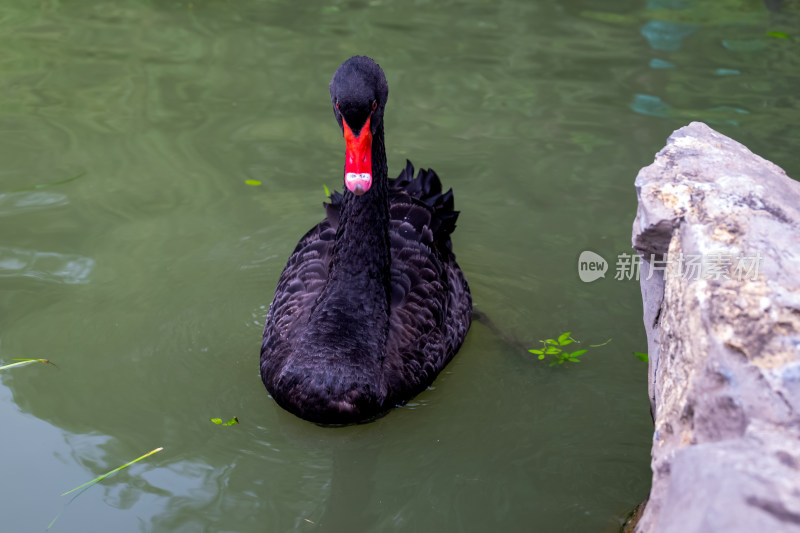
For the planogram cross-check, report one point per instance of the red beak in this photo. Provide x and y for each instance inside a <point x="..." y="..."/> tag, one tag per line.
<point x="358" y="159"/>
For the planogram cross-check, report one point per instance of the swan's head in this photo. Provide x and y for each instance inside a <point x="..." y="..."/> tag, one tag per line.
<point x="358" y="94"/>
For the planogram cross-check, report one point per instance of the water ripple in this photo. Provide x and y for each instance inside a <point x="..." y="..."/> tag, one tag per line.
<point x="46" y="266"/>
<point x="12" y="203"/>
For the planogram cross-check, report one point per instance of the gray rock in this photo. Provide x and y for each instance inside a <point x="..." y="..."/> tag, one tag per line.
<point x="718" y="233"/>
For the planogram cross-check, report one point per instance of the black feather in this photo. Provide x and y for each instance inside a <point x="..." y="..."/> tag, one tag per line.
<point x="371" y="305"/>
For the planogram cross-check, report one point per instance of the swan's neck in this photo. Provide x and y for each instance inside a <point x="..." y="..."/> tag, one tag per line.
<point x="353" y="308"/>
<point x="361" y="254"/>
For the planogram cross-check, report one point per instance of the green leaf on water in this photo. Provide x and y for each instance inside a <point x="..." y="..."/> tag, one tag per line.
<point x="641" y="356"/>
<point x="254" y="183"/>
<point x="599" y="345"/>
<point x="327" y="190"/>
<point x="102" y="477"/>
<point x="22" y="362"/>
<point x="51" y="184"/>
<point x="231" y="422"/>
<point x="98" y="479"/>
<point x="554" y="349"/>
<point x="778" y="34"/>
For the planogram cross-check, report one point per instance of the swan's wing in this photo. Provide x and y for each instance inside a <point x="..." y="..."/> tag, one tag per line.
<point x="300" y="284"/>
<point x="302" y="279"/>
<point x="430" y="301"/>
<point x="305" y="273"/>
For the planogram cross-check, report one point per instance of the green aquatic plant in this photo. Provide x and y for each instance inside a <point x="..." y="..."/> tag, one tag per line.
<point x="641" y="355"/>
<point x="23" y="362"/>
<point x="231" y="422"/>
<point x="778" y="34"/>
<point x="39" y="186"/>
<point x="553" y="348"/>
<point x="110" y="472"/>
<point x="85" y="486"/>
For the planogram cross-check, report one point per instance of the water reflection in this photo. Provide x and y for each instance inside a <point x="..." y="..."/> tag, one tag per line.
<point x="660" y="63"/>
<point x="46" y="266"/>
<point x="328" y="485"/>
<point x="14" y="203"/>
<point x="666" y="36"/>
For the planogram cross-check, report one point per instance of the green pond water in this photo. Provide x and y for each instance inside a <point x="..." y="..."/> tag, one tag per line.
<point x="135" y="257"/>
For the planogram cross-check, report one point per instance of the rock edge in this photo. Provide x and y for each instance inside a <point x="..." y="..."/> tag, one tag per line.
<point x="723" y="344"/>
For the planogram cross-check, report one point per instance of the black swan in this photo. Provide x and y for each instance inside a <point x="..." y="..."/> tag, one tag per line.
<point x="372" y="304"/>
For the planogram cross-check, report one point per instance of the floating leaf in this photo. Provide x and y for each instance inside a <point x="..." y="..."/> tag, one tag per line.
<point x="23" y="362"/>
<point x="231" y="422"/>
<point x="51" y="184"/>
<point x="778" y="34"/>
<point x="327" y="190"/>
<point x="642" y="356"/>
<point x="599" y="345"/>
<point x="102" y="477"/>
<point x="98" y="479"/>
<point x="254" y="183"/>
<point x="553" y="348"/>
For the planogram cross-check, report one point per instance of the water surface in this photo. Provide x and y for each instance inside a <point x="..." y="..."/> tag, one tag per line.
<point x="134" y="255"/>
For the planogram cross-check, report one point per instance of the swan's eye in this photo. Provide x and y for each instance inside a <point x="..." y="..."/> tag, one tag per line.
<point x="336" y="104"/>
<point x="374" y="105"/>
